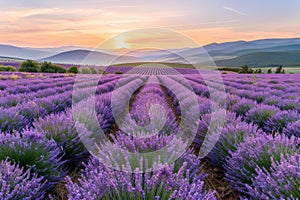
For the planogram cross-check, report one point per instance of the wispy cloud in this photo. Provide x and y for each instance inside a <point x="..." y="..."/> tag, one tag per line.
<point x="235" y="11"/>
<point x="199" y="25"/>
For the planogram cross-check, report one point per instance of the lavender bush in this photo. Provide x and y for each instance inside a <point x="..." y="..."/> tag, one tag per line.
<point x="257" y="152"/>
<point x="98" y="181"/>
<point x="61" y="129"/>
<point x="31" y="151"/>
<point x="292" y="129"/>
<point x="231" y="137"/>
<point x="277" y="122"/>
<point x="11" y="120"/>
<point x="282" y="181"/>
<point x="15" y="183"/>
<point x="260" y="114"/>
<point x="243" y="106"/>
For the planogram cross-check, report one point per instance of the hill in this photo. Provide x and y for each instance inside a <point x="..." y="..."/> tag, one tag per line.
<point x="261" y="59"/>
<point x="88" y="58"/>
<point x="23" y="53"/>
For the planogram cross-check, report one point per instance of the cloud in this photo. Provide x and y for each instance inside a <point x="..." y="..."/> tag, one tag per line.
<point x="199" y="25"/>
<point x="235" y="11"/>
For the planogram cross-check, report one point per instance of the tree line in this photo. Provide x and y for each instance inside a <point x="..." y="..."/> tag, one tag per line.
<point x="248" y="70"/>
<point x="48" y="67"/>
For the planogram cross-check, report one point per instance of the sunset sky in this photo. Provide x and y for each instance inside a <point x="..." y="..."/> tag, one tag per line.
<point x="89" y="22"/>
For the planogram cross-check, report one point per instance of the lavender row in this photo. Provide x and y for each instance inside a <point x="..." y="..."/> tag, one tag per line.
<point x="93" y="183"/>
<point x="55" y="131"/>
<point x="251" y="160"/>
<point x="150" y="118"/>
<point x="22" y="115"/>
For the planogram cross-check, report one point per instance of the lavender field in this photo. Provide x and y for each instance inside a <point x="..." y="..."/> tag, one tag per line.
<point x="48" y="151"/>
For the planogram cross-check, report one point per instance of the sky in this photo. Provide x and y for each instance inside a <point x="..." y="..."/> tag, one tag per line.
<point x="90" y="22"/>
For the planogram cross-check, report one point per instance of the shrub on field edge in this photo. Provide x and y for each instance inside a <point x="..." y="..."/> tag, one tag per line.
<point x="101" y="71"/>
<point x="93" y="70"/>
<point x="73" y="69"/>
<point x="48" y="67"/>
<point x="7" y="69"/>
<point x="85" y="70"/>
<point x="29" y="66"/>
<point x="118" y="72"/>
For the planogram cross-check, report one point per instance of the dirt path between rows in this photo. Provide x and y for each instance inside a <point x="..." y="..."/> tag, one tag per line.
<point x="216" y="181"/>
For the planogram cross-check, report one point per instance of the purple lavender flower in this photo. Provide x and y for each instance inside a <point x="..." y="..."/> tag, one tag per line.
<point x="292" y="129"/>
<point x="256" y="152"/>
<point x="31" y="151"/>
<point x="231" y="137"/>
<point x="289" y="104"/>
<point x="281" y="182"/>
<point x="260" y="114"/>
<point x="11" y="120"/>
<point x="98" y="181"/>
<point x="244" y="106"/>
<point x="60" y="128"/>
<point x="15" y="183"/>
<point x="277" y="122"/>
<point x="272" y="100"/>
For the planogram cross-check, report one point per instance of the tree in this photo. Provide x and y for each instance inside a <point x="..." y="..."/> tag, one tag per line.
<point x="269" y="71"/>
<point x="48" y="67"/>
<point x="279" y="70"/>
<point x="73" y="69"/>
<point x="93" y="70"/>
<point x="118" y="72"/>
<point x="258" y="71"/>
<point x="246" y="70"/>
<point x="29" y="66"/>
<point x="86" y="70"/>
<point x="101" y="71"/>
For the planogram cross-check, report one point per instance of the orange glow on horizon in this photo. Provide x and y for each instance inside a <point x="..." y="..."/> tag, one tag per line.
<point x="202" y="37"/>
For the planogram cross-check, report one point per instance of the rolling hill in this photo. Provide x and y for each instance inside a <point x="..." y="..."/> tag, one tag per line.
<point x="23" y="53"/>
<point x="88" y="58"/>
<point x="288" y="58"/>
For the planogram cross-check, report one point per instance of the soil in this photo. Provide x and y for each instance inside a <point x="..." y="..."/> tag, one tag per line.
<point x="216" y="181"/>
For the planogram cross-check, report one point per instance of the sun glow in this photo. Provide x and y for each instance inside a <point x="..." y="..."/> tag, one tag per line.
<point x="120" y="43"/>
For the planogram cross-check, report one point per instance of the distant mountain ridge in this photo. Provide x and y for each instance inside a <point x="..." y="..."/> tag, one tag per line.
<point x="263" y="59"/>
<point x="88" y="57"/>
<point x="236" y="53"/>
<point x="20" y="52"/>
